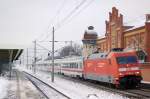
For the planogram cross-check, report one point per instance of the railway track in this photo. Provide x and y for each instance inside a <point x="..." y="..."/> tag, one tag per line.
<point x="139" y="93"/>
<point x="144" y="93"/>
<point x="48" y="91"/>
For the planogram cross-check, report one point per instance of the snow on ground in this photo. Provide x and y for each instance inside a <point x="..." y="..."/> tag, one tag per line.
<point x="76" y="90"/>
<point x="3" y="87"/>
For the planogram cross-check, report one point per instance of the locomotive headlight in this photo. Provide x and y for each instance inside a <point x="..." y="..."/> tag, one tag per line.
<point x="120" y="74"/>
<point x="116" y="78"/>
<point x="137" y="72"/>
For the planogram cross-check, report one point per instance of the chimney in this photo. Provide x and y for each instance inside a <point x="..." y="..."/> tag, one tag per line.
<point x="147" y="17"/>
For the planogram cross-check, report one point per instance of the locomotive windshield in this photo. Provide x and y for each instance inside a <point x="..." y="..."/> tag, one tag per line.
<point x="126" y="59"/>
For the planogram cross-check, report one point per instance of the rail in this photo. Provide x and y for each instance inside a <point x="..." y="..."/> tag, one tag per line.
<point x="138" y="93"/>
<point x="47" y="90"/>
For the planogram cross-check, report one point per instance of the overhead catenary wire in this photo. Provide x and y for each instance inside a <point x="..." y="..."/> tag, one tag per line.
<point x="59" y="24"/>
<point x="71" y="13"/>
<point x="75" y="15"/>
<point x="54" y="18"/>
<point x="51" y="41"/>
<point x="43" y="47"/>
<point x="76" y="11"/>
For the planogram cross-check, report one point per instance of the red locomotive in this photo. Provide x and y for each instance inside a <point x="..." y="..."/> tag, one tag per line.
<point x="118" y="68"/>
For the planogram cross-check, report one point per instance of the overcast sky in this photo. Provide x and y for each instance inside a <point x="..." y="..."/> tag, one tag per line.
<point x="22" y="21"/>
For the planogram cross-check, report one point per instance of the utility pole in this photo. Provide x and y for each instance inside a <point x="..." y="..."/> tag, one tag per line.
<point x="34" y="57"/>
<point x="71" y="43"/>
<point x="10" y="61"/>
<point x="52" y="78"/>
<point x="27" y="58"/>
<point x="23" y="59"/>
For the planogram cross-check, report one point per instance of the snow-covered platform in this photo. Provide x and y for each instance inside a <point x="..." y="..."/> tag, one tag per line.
<point x="3" y="87"/>
<point x="19" y="87"/>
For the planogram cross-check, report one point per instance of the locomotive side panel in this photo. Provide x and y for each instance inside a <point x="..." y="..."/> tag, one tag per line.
<point x="100" y="70"/>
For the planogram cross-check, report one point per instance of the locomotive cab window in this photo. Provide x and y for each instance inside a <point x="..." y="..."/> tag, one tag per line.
<point x="126" y="59"/>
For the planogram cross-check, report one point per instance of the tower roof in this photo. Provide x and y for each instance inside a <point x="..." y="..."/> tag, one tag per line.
<point x="90" y="33"/>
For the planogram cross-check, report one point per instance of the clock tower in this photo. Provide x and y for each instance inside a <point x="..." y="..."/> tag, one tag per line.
<point x="89" y="42"/>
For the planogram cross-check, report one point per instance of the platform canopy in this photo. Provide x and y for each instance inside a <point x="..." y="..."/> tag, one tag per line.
<point x="9" y="53"/>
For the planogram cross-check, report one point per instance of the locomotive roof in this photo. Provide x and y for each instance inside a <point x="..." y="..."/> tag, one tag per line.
<point x="98" y="55"/>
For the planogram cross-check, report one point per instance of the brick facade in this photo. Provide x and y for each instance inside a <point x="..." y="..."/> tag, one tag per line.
<point x="135" y="37"/>
<point x="119" y="35"/>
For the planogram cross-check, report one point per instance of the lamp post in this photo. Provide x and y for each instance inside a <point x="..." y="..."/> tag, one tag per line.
<point x="52" y="78"/>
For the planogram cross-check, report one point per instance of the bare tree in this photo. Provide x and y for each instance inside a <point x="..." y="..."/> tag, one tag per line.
<point x="70" y="50"/>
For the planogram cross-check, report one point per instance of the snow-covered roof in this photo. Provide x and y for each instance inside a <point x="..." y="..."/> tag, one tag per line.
<point x="11" y="46"/>
<point x="101" y="37"/>
<point x="136" y="24"/>
<point x="91" y="32"/>
<point x="10" y="50"/>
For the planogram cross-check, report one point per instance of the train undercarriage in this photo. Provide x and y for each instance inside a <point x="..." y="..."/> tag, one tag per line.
<point x="130" y="81"/>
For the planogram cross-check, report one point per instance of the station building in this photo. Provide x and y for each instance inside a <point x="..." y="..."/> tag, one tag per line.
<point x="120" y="35"/>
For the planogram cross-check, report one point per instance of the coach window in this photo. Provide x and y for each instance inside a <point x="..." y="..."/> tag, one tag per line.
<point x="67" y="65"/>
<point x="70" y="65"/>
<point x="74" y="65"/>
<point x="64" y="65"/>
<point x="77" y="65"/>
<point x="80" y="65"/>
